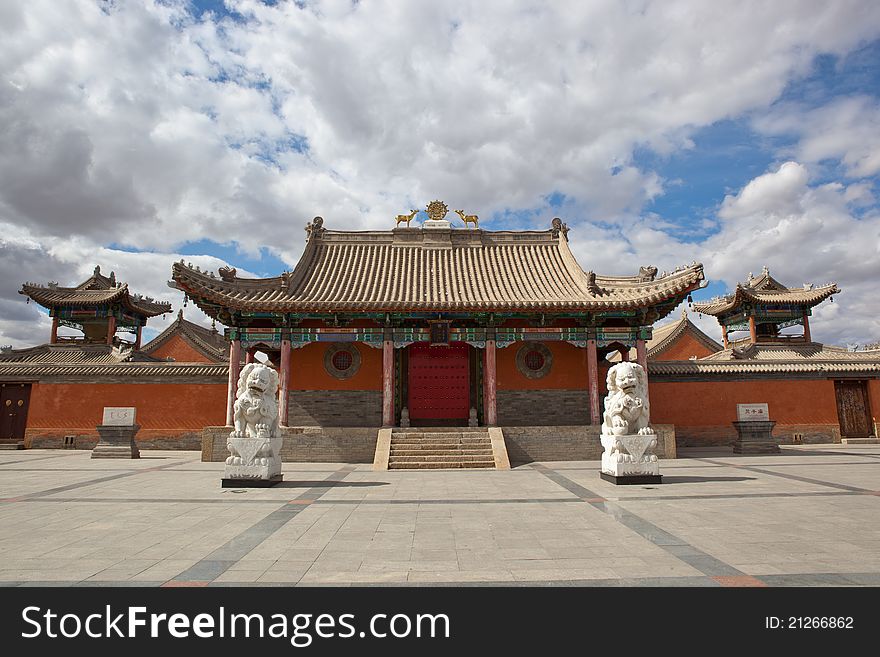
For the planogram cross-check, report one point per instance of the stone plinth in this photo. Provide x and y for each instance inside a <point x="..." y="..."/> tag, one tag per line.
<point x="257" y="462"/>
<point x="116" y="442"/>
<point x="629" y="459"/>
<point x="755" y="438"/>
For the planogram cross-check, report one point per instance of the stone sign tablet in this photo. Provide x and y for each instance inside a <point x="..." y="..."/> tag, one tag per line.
<point x="752" y="413"/>
<point x="119" y="416"/>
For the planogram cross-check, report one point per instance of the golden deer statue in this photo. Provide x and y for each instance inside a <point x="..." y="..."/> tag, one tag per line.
<point x="401" y="218"/>
<point x="468" y="218"/>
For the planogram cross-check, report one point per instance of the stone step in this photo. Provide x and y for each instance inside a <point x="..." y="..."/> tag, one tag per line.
<point x="438" y="435"/>
<point x="432" y="441"/>
<point x="428" y="458"/>
<point x="435" y="445"/>
<point x="439" y="440"/>
<point x="441" y="448"/>
<point x="435" y="465"/>
<point x="440" y="452"/>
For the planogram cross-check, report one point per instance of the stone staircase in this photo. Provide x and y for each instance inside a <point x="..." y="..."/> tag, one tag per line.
<point x="434" y="448"/>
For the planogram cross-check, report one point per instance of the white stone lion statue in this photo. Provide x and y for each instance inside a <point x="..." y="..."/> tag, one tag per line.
<point x="626" y="407"/>
<point x="255" y="440"/>
<point x="627" y="436"/>
<point x="256" y="406"/>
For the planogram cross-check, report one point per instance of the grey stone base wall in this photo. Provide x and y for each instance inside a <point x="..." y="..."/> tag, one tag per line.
<point x="335" y="408"/>
<point x="571" y="443"/>
<point x="55" y="440"/>
<point x="543" y="407"/>
<point x="305" y="444"/>
<point x="784" y="434"/>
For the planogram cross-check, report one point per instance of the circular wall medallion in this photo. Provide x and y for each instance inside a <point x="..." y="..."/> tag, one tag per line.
<point x="342" y="360"/>
<point x="534" y="360"/>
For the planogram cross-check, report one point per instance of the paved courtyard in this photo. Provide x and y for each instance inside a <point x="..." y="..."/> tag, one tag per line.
<point x="808" y="517"/>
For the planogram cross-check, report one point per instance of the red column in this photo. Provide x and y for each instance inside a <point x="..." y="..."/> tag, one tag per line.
<point x="753" y="330"/>
<point x="285" y="382"/>
<point x="111" y="329"/>
<point x="388" y="383"/>
<point x="232" y="385"/>
<point x="642" y="355"/>
<point x="624" y="354"/>
<point x="593" y="381"/>
<point x="490" y="386"/>
<point x="806" y="328"/>
<point x="249" y="357"/>
<point x="137" y="340"/>
<point x="724" y="335"/>
<point x="54" y="337"/>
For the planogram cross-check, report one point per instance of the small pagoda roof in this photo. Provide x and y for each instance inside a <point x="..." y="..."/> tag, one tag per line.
<point x="431" y="269"/>
<point x="97" y="290"/>
<point x="767" y="290"/>
<point x="210" y="343"/>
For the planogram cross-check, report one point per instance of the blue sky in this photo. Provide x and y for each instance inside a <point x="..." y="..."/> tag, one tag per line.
<point x="139" y="133"/>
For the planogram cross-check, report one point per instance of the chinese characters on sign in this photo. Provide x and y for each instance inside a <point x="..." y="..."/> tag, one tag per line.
<point x="752" y="413"/>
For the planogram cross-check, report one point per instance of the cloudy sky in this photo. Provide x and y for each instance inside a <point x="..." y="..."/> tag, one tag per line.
<point x="740" y="134"/>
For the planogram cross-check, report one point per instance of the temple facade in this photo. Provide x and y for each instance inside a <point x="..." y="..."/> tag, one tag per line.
<point x="435" y="327"/>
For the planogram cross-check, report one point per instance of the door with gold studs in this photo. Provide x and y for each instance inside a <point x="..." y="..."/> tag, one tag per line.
<point x="14" y="399"/>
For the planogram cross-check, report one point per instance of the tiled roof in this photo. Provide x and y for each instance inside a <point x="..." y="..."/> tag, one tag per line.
<point x="665" y="336"/>
<point x="210" y="344"/>
<point x="776" y="358"/>
<point x="73" y="353"/>
<point x="97" y="290"/>
<point x="767" y="290"/>
<point x="96" y="371"/>
<point x="792" y="351"/>
<point x="432" y="270"/>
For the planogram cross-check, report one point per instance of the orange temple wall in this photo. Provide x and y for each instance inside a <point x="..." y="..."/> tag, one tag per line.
<point x="164" y="410"/>
<point x="178" y="349"/>
<point x="683" y="348"/>
<point x="307" y="370"/>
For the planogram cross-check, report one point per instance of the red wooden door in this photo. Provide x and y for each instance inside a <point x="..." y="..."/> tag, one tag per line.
<point x="13" y="410"/>
<point x="852" y="408"/>
<point x="439" y="382"/>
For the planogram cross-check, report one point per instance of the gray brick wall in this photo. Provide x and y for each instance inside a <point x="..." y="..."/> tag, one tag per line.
<point x="543" y="407"/>
<point x="570" y="443"/>
<point x="305" y="444"/>
<point x="335" y="408"/>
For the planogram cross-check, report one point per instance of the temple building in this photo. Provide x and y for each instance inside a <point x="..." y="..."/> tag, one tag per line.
<point x="438" y="325"/>
<point x="436" y="329"/>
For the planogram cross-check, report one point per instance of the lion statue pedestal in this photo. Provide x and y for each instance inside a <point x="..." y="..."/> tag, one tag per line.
<point x="627" y="437"/>
<point x="255" y="443"/>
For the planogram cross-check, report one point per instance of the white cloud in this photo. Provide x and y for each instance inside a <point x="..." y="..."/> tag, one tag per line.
<point x="845" y="129"/>
<point x="806" y="234"/>
<point x="144" y="127"/>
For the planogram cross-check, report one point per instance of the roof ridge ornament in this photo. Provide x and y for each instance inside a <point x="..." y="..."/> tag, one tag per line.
<point x="647" y="274"/>
<point x="558" y="226"/>
<point x="405" y="218"/>
<point x="315" y="228"/>
<point x="437" y="210"/>
<point x="227" y="273"/>
<point x="468" y="218"/>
